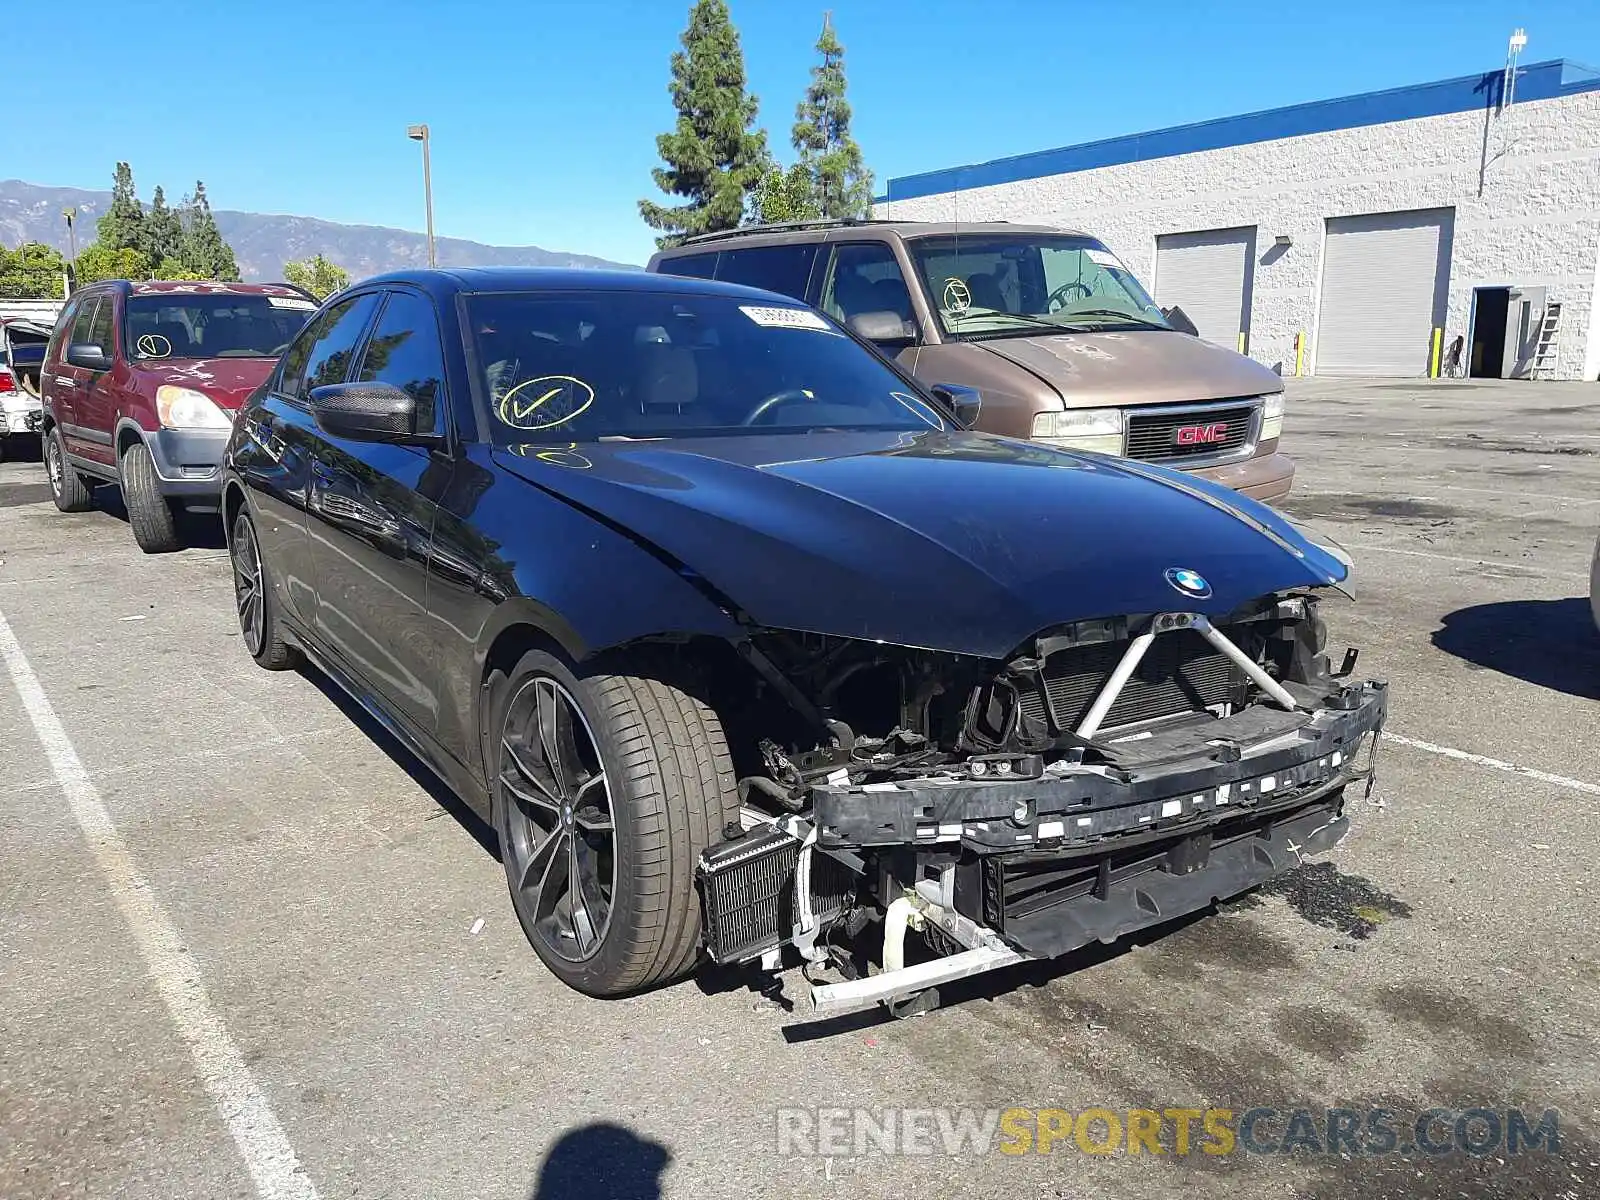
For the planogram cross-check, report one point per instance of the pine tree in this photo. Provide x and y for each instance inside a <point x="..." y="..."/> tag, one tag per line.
<point x="201" y="249"/>
<point x="163" y="230"/>
<point x="713" y="157"/>
<point x="121" y="226"/>
<point x="840" y="181"/>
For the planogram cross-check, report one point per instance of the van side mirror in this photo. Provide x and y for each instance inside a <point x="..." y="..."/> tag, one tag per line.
<point x="368" y="412"/>
<point x="1179" y="320"/>
<point x="88" y="356"/>
<point x="964" y="401"/>
<point x="883" y="328"/>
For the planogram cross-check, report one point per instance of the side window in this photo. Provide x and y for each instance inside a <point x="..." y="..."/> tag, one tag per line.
<point x="784" y="269"/>
<point x="293" y="367"/>
<point x="82" y="322"/>
<point x="328" y="347"/>
<point x="865" y="277"/>
<point x="100" y="327"/>
<point x="59" y="338"/>
<point x="405" y="351"/>
<point x="696" y="266"/>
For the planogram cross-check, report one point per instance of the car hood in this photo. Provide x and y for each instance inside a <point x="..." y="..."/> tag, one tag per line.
<point x="1141" y="366"/>
<point x="951" y="541"/>
<point x="228" y="381"/>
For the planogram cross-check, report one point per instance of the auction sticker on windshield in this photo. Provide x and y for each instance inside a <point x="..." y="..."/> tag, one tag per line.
<point x="291" y="302"/>
<point x="1104" y="258"/>
<point x="784" y="318"/>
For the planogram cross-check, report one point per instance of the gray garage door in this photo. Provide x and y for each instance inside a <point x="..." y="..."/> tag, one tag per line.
<point x="1385" y="281"/>
<point x="1208" y="275"/>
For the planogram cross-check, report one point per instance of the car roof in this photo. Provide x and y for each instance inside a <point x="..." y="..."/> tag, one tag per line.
<point x="207" y="287"/>
<point x="444" y="282"/>
<point x="817" y="231"/>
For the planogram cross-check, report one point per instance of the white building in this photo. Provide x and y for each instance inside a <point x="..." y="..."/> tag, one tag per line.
<point x="1373" y="230"/>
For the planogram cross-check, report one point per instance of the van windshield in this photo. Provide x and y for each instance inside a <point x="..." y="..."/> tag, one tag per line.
<point x="1000" y="285"/>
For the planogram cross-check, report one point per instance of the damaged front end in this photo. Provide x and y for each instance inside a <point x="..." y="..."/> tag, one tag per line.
<point x="1112" y="774"/>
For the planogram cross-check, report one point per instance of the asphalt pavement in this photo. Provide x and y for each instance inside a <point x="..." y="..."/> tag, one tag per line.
<point x="248" y="948"/>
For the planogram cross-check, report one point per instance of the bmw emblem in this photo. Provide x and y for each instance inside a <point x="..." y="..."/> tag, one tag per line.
<point x="1190" y="583"/>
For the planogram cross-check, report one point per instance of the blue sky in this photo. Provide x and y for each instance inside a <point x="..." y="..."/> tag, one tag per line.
<point x="544" y="112"/>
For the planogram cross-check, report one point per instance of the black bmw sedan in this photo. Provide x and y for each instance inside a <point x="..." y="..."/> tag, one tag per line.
<point x="748" y="648"/>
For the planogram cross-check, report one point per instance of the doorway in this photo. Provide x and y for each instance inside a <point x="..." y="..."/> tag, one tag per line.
<point x="1490" y="307"/>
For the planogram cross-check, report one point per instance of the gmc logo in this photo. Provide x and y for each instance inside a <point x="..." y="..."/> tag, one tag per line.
<point x="1200" y="435"/>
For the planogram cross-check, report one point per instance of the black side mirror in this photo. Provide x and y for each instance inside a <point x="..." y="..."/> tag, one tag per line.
<point x="964" y="401"/>
<point x="1179" y="320"/>
<point x="368" y="412"/>
<point x="88" y="356"/>
<point x="883" y="328"/>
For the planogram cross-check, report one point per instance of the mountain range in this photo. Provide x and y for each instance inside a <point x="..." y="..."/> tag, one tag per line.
<point x="263" y="242"/>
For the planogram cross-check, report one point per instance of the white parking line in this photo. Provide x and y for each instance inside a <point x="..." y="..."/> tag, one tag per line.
<point x="1577" y="785"/>
<point x="265" y="1148"/>
<point x="1461" y="558"/>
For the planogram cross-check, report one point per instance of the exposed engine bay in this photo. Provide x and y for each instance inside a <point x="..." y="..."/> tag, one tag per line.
<point x="1113" y="774"/>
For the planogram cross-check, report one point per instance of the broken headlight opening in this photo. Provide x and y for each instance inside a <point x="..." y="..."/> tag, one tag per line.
<point x="1113" y="774"/>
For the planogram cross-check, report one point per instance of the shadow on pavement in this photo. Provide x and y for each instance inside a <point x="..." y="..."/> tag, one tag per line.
<point x="21" y="447"/>
<point x="198" y="530"/>
<point x="1551" y="643"/>
<point x="405" y="760"/>
<point x="602" y="1162"/>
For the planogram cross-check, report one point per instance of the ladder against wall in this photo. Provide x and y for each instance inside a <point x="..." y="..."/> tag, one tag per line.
<point x="1544" y="353"/>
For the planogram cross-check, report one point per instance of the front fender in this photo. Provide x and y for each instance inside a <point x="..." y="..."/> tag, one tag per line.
<point x="589" y="587"/>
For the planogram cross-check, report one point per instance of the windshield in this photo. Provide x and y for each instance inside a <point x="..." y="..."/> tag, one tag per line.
<point x="181" y="325"/>
<point x="580" y="366"/>
<point x="996" y="285"/>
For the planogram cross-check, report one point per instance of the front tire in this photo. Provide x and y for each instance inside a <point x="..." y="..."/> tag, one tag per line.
<point x="253" y="598"/>
<point x="617" y="782"/>
<point x="68" y="489"/>
<point x="155" y="526"/>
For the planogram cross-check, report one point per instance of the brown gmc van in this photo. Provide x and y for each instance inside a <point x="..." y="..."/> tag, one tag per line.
<point x="1060" y="340"/>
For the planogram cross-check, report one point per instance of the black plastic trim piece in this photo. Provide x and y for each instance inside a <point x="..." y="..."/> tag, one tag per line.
<point x="1085" y="808"/>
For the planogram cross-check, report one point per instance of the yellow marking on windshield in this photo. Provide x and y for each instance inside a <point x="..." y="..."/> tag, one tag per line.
<point x="566" y="395"/>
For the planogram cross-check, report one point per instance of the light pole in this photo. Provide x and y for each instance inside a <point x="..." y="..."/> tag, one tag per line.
<point x="419" y="133"/>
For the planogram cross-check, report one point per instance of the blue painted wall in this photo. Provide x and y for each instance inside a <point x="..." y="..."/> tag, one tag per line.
<point x="1540" y="81"/>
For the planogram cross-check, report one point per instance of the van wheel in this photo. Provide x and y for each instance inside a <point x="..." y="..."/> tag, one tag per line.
<point x="155" y="526"/>
<point x="68" y="489"/>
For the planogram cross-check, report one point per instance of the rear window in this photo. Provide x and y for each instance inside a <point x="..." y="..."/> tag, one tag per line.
<point x="183" y="325"/>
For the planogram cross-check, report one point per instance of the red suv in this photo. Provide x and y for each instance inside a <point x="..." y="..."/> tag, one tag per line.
<point x="140" y="384"/>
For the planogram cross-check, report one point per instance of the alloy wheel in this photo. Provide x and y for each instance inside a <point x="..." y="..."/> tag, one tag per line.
<point x="247" y="585"/>
<point x="52" y="465"/>
<point x="562" y="835"/>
